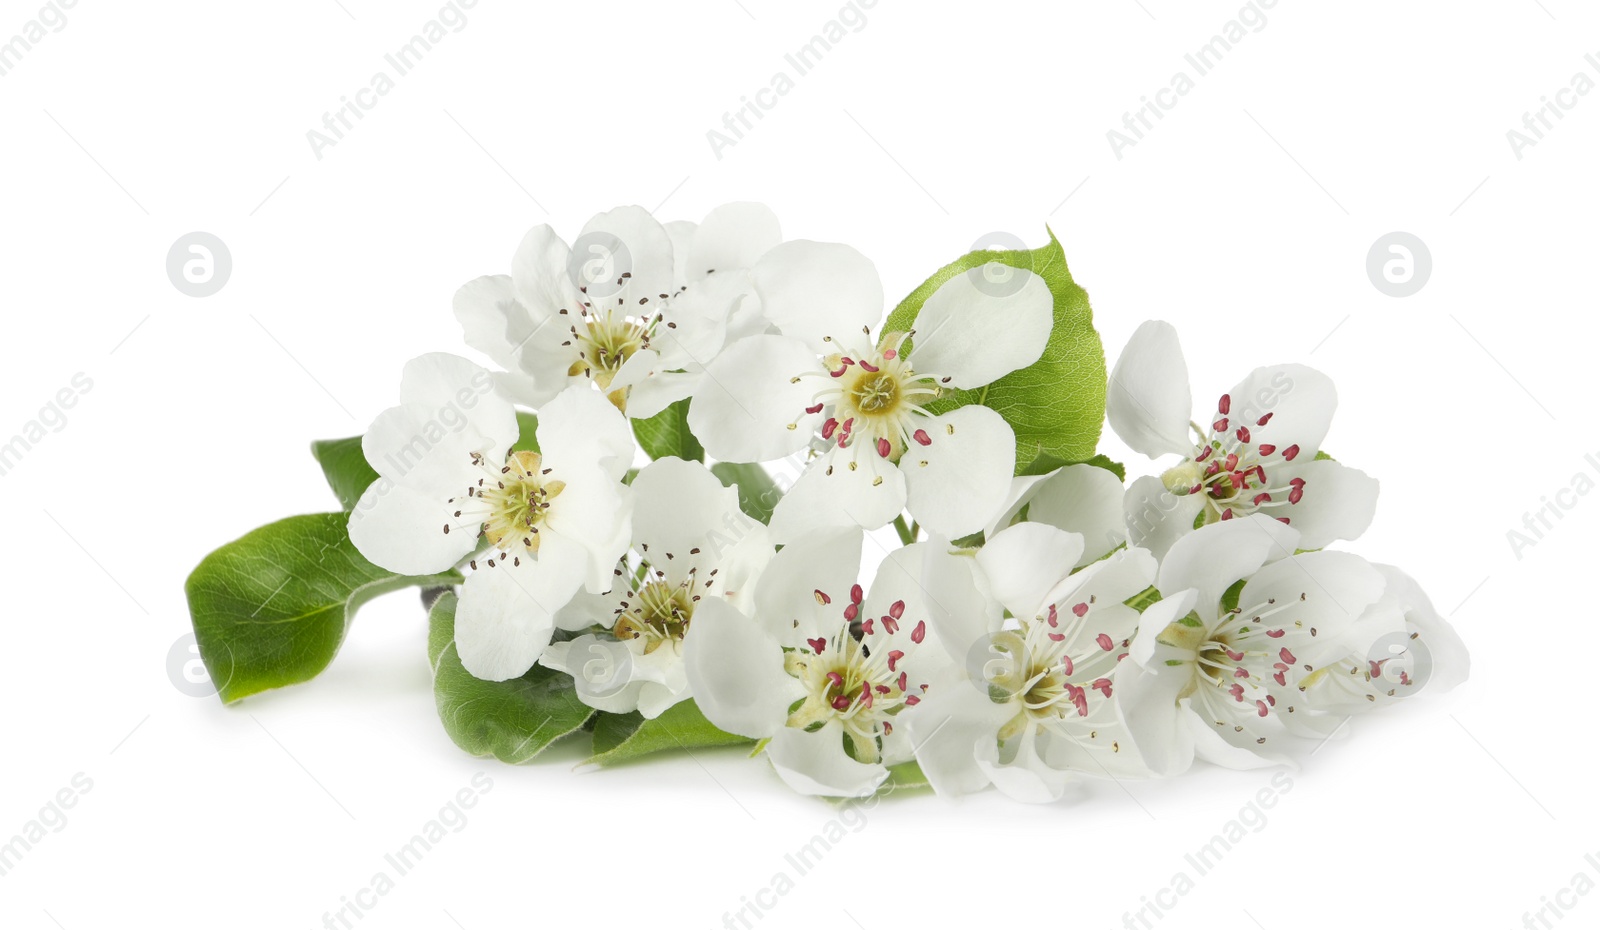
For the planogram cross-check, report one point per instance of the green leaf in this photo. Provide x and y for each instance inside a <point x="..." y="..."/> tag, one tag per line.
<point x="345" y="468"/>
<point x="1055" y="405"/>
<point x="511" y="720"/>
<point x="270" y="608"/>
<point x="1143" y="599"/>
<point x="612" y="730"/>
<point x="758" y="494"/>
<point x="667" y="433"/>
<point x="905" y="777"/>
<point x="527" y="423"/>
<point x="624" y="737"/>
<point x="1230" y="597"/>
<point x="1045" y="464"/>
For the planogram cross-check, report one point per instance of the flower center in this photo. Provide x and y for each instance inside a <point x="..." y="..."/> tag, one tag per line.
<point x="658" y="613"/>
<point x="875" y="395"/>
<point x="604" y="345"/>
<point x="1035" y="668"/>
<point x="845" y="682"/>
<point x="516" y="502"/>
<point x="1230" y="470"/>
<point x="1239" y="656"/>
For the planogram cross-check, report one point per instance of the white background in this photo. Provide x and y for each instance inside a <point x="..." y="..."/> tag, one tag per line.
<point x="1244" y="217"/>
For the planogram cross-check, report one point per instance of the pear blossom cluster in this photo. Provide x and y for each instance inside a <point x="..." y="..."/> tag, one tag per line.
<point x="1016" y="631"/>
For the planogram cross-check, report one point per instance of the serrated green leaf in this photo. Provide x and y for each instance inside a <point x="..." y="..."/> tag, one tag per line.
<point x="513" y="721"/>
<point x="345" y="468"/>
<point x="1045" y="464"/>
<point x="271" y="608"/>
<point x="612" y="730"/>
<point x="667" y="433"/>
<point x="624" y="737"/>
<point x="1055" y="405"/>
<point x="758" y="494"/>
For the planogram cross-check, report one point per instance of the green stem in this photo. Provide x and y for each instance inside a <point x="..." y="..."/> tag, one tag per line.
<point x="908" y="535"/>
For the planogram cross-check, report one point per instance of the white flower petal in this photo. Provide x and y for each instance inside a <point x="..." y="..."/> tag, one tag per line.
<point x="1156" y="618"/>
<point x="698" y="319"/>
<point x="450" y="391"/>
<point x="899" y="581"/>
<point x="1148" y="401"/>
<point x="581" y="429"/>
<point x="593" y="513"/>
<point x="732" y="236"/>
<point x="1213" y="557"/>
<point x="586" y="611"/>
<point x="974" y="331"/>
<point x="946" y="731"/>
<point x="402" y="529"/>
<point x="1333" y="590"/>
<point x="1021" y="491"/>
<point x="961" y="611"/>
<point x="485" y="307"/>
<point x="1108" y="754"/>
<point x="816" y="763"/>
<point x="1024" y="562"/>
<point x="959" y="481"/>
<point x="1155" y="517"/>
<point x="1214" y="745"/>
<point x="1339" y="502"/>
<point x="1082" y="499"/>
<point x="525" y="389"/>
<point x="410" y="446"/>
<point x="1108" y="584"/>
<point x="1299" y="400"/>
<point x="1148" y="690"/>
<point x="1448" y="661"/>
<point x="651" y="387"/>
<point x="1028" y="777"/>
<point x="507" y="613"/>
<point x="660" y="390"/>
<point x="682" y="513"/>
<point x="630" y="244"/>
<point x="814" y="290"/>
<point x="736" y="672"/>
<point x="751" y="395"/>
<point x="853" y="486"/>
<point x="602" y="672"/>
<point x="657" y="697"/>
<point x="541" y="279"/>
<point x="681" y="232"/>
<point x="787" y="602"/>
